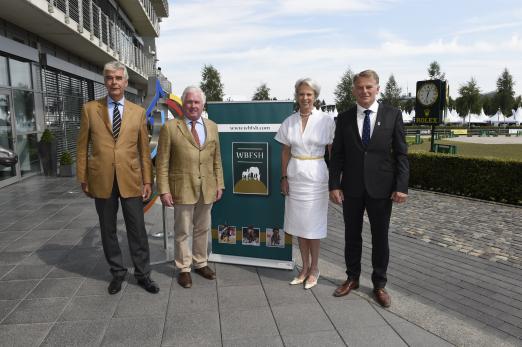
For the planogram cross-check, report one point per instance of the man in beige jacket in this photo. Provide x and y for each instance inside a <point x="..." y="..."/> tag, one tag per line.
<point x="190" y="178"/>
<point x="118" y="167"/>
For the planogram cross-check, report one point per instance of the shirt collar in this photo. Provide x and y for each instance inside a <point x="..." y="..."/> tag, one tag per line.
<point x="199" y="120"/>
<point x="374" y="107"/>
<point x="110" y="102"/>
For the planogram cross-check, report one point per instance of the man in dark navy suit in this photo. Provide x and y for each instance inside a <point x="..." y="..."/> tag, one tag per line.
<point x="369" y="170"/>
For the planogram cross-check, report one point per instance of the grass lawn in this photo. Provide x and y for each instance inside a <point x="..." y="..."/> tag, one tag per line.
<point x="475" y="150"/>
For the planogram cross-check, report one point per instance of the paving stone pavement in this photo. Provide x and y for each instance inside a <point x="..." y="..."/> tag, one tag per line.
<point x="53" y="290"/>
<point x="461" y="257"/>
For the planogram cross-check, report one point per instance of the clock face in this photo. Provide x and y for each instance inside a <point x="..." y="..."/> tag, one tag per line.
<point x="428" y="94"/>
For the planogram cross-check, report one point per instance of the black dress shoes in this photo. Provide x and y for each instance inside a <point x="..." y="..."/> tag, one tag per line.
<point x="149" y="285"/>
<point x="115" y="285"/>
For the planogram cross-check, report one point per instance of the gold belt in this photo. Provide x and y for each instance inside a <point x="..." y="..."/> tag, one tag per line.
<point x="306" y="158"/>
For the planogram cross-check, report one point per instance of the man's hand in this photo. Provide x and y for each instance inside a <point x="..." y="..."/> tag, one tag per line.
<point x="337" y="196"/>
<point x="166" y="199"/>
<point x="86" y="189"/>
<point x="219" y="194"/>
<point x="147" y="191"/>
<point x="399" y="197"/>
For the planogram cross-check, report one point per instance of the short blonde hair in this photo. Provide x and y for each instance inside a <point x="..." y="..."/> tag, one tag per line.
<point x="366" y="74"/>
<point x="310" y="83"/>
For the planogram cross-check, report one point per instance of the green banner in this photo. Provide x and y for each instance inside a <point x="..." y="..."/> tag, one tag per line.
<point x="247" y="224"/>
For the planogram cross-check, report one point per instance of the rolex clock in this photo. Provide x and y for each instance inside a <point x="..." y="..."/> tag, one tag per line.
<point x="430" y="102"/>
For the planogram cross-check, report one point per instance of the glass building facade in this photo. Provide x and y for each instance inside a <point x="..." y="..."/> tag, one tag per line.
<point x="44" y="82"/>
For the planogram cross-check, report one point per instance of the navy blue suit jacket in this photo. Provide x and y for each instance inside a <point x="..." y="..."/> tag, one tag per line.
<point x="380" y="168"/>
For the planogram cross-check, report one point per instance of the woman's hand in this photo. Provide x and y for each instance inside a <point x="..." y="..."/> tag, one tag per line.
<point x="284" y="187"/>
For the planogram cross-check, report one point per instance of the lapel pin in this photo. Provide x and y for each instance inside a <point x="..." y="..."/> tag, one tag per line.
<point x="378" y="123"/>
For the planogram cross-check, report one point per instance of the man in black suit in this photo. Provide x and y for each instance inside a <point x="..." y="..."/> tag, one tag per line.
<point x="368" y="170"/>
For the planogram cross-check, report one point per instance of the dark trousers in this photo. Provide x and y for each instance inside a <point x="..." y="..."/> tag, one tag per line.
<point x="136" y="234"/>
<point x="379" y="213"/>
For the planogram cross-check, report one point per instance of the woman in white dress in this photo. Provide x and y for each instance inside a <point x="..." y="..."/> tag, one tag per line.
<point x="304" y="180"/>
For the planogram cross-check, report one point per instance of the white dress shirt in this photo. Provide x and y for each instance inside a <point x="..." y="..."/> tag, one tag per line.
<point x="110" y="107"/>
<point x="373" y="116"/>
<point x="200" y="129"/>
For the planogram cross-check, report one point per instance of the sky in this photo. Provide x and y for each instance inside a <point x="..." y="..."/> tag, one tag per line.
<point x="276" y="42"/>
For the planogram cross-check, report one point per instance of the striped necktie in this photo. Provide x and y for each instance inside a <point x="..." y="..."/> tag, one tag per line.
<point x="194" y="132"/>
<point x="116" y="120"/>
<point x="366" y="128"/>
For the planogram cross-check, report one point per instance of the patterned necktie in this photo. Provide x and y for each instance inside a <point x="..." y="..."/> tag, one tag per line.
<point x="366" y="128"/>
<point x="194" y="132"/>
<point x="116" y="120"/>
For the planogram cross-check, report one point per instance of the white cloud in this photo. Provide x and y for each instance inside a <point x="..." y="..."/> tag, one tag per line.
<point x="251" y="42"/>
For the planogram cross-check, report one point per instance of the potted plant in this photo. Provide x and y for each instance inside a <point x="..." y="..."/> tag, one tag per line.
<point x="66" y="165"/>
<point x="48" y="152"/>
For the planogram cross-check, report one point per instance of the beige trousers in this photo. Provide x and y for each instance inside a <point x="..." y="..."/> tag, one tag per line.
<point x="191" y="219"/>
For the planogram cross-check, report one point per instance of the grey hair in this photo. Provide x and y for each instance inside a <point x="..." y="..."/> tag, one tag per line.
<point x="116" y="65"/>
<point x="367" y="74"/>
<point x="190" y="89"/>
<point x="310" y="83"/>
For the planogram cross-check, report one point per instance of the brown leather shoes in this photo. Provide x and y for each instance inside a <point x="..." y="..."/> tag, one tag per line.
<point x="346" y="287"/>
<point x="185" y="280"/>
<point x="382" y="297"/>
<point x="206" y="272"/>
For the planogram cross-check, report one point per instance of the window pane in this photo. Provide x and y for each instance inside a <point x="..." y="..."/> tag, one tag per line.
<point x="20" y="74"/>
<point x="27" y="148"/>
<point x="4" y="80"/>
<point x="24" y="111"/>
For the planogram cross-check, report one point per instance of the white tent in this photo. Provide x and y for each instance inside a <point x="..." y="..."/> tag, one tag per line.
<point x="498" y="118"/>
<point x="407" y="117"/>
<point x="518" y="115"/>
<point x="453" y="117"/>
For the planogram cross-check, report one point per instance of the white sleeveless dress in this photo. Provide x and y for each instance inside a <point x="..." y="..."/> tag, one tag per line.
<point x="306" y="205"/>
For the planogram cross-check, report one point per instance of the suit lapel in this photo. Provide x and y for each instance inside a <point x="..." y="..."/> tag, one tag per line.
<point x="206" y="133"/>
<point x="103" y="113"/>
<point x="182" y="125"/>
<point x="355" y="128"/>
<point x="377" y="125"/>
<point x="128" y="109"/>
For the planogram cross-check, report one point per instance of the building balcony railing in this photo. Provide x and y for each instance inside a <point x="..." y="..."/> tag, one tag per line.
<point x="106" y="33"/>
<point x="161" y="7"/>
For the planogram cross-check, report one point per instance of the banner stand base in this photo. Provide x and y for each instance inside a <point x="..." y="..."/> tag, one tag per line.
<point x="233" y="259"/>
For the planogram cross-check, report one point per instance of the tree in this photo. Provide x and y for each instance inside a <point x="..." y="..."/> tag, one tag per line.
<point x="211" y="83"/>
<point x="469" y="100"/>
<point x="518" y="102"/>
<point x="504" y="99"/>
<point x="434" y="71"/>
<point x="344" y="98"/>
<point x="392" y="93"/>
<point x="488" y="104"/>
<point x="262" y="93"/>
<point x="407" y="104"/>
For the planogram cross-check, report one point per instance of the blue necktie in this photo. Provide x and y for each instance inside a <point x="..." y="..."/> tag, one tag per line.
<point x="366" y="128"/>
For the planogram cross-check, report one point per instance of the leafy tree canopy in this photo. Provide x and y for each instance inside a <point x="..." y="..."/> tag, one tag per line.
<point x="211" y="83"/>
<point x="344" y="98"/>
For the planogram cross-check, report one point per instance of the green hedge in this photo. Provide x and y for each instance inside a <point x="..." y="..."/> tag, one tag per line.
<point x="489" y="179"/>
